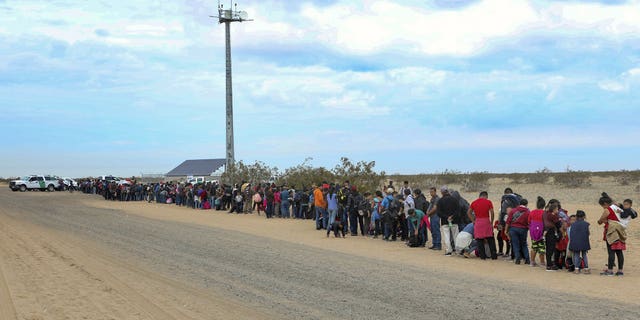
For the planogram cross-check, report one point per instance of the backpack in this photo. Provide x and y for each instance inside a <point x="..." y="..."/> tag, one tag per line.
<point x="414" y="241"/>
<point x="363" y="206"/>
<point x="342" y="196"/>
<point x="297" y="197"/>
<point x="394" y="206"/>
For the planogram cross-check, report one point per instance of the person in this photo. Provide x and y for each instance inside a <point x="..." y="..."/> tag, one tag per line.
<point x="551" y="234"/>
<point x="448" y="208"/>
<point x="508" y="201"/>
<point x="579" y="243"/>
<point x="332" y="208"/>
<point x="434" y="219"/>
<point x="356" y="210"/>
<point x="391" y="208"/>
<point x="320" y="205"/>
<point x="614" y="235"/>
<point x="536" y="231"/>
<point x="405" y="187"/>
<point x="409" y="204"/>
<point x="465" y="244"/>
<point x="343" y="204"/>
<point x="422" y="204"/>
<point x="376" y="215"/>
<point x="336" y="226"/>
<point x="481" y="215"/>
<point x="285" y="202"/>
<point x="257" y="201"/>
<point x="414" y="222"/>
<point x="627" y="213"/>
<point x="516" y="227"/>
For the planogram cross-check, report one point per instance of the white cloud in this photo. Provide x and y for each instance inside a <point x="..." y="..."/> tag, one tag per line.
<point x="490" y="96"/>
<point x="622" y="83"/>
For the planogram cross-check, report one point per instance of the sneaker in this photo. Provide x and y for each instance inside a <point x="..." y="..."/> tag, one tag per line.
<point x="586" y="271"/>
<point x="517" y="261"/>
<point x="448" y="254"/>
<point x="607" y="273"/>
<point x="619" y="273"/>
<point x="551" y="269"/>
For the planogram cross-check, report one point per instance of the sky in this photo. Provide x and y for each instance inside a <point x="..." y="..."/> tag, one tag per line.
<point x="97" y="87"/>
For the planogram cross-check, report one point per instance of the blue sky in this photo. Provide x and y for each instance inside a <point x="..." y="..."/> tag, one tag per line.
<point x="124" y="87"/>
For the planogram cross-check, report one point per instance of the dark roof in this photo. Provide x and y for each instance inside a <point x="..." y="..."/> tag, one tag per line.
<point x="200" y="167"/>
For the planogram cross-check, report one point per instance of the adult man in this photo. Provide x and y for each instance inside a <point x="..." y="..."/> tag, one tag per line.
<point x="355" y="219"/>
<point x="320" y="205"/>
<point x="421" y="204"/>
<point x="343" y="205"/>
<point x="481" y="215"/>
<point x="447" y="209"/>
<point x="434" y="220"/>
<point x="405" y="187"/>
<point x="391" y="208"/>
<point x="409" y="204"/>
<point x="510" y="200"/>
<point x="414" y="220"/>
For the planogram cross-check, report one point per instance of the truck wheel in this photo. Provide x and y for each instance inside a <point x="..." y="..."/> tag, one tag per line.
<point x="23" y="188"/>
<point x="51" y="188"/>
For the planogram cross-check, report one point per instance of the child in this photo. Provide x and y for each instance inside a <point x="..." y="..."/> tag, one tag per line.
<point x="627" y="213"/>
<point x="336" y="226"/>
<point x="579" y="243"/>
<point x="536" y="231"/>
<point x="568" y="260"/>
<point x="502" y="239"/>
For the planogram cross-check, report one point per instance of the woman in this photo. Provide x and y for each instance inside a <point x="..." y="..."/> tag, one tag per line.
<point x="614" y="235"/>
<point x="551" y="235"/>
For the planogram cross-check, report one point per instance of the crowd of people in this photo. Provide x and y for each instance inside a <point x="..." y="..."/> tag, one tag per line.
<point x="559" y="239"/>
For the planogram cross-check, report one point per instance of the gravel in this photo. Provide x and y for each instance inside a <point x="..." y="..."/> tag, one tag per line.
<point x="294" y="281"/>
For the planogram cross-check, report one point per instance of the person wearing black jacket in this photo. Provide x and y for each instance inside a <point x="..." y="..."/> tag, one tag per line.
<point x="421" y="204"/>
<point x="447" y="209"/>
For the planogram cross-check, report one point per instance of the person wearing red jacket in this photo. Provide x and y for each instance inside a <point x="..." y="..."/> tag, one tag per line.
<point x="517" y="227"/>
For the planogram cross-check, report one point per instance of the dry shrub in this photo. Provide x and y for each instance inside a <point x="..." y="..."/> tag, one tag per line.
<point x="638" y="188"/>
<point x="517" y="178"/>
<point x="475" y="181"/>
<point x="626" y="177"/>
<point x="540" y="176"/>
<point x="450" y="177"/>
<point x="573" y="179"/>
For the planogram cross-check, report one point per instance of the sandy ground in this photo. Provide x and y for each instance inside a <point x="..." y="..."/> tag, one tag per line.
<point x="59" y="266"/>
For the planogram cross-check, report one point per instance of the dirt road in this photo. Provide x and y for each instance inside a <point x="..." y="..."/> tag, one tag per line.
<point x="74" y="256"/>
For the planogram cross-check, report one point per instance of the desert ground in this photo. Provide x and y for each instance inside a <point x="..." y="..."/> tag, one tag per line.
<point x="77" y="256"/>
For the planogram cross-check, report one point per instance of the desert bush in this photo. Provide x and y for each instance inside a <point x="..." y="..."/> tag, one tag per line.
<point x="360" y="174"/>
<point x="573" y="178"/>
<point x="517" y="178"/>
<point x="540" y="176"/>
<point x="638" y="188"/>
<point x="626" y="177"/>
<point x="255" y="173"/>
<point x="449" y="177"/>
<point x="475" y="181"/>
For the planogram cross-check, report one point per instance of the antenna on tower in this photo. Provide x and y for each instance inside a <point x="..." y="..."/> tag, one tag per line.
<point x="226" y="17"/>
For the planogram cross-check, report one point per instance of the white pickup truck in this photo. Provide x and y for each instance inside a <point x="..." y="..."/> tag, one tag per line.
<point x="33" y="182"/>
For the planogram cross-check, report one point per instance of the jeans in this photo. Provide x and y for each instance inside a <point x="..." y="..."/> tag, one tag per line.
<point x="519" y="243"/>
<point x="449" y="234"/>
<point x="344" y="213"/>
<point x="580" y="255"/>
<point x="390" y="226"/>
<point x="269" y="210"/>
<point x="321" y="218"/>
<point x="285" y="209"/>
<point x="332" y="216"/>
<point x="435" y="231"/>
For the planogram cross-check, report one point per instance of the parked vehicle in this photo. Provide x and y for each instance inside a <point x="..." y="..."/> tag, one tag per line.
<point x="35" y="182"/>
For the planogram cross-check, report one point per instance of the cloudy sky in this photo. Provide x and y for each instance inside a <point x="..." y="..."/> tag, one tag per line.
<point x="124" y="87"/>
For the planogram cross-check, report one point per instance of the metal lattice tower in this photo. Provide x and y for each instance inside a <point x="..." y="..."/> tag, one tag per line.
<point x="227" y="16"/>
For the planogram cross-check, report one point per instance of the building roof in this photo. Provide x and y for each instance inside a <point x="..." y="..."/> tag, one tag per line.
<point x="200" y="167"/>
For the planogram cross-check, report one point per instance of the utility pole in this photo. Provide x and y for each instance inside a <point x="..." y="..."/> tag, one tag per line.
<point x="227" y="16"/>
